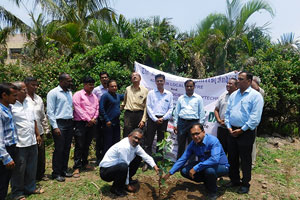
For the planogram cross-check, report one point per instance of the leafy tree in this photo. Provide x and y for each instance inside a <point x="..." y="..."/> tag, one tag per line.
<point x="279" y="70"/>
<point x="217" y="32"/>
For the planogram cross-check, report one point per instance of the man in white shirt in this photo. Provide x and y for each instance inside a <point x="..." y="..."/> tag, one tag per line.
<point x="121" y="162"/>
<point x="42" y="123"/>
<point x="23" y="177"/>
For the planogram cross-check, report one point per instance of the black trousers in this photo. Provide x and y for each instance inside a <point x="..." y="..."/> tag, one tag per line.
<point x="152" y="129"/>
<point x="118" y="173"/>
<point x="183" y="134"/>
<point x="99" y="142"/>
<point x="111" y="135"/>
<point x="41" y="161"/>
<point x="240" y="148"/>
<point x="222" y="135"/>
<point x="62" y="145"/>
<point x="5" y="174"/>
<point x="83" y="138"/>
<point x="131" y="121"/>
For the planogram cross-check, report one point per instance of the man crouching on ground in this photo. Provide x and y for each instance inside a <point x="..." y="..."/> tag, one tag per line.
<point x="121" y="162"/>
<point x="212" y="161"/>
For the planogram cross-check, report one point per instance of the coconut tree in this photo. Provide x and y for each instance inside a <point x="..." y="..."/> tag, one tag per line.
<point x="289" y="40"/>
<point x="10" y="22"/>
<point x="220" y="31"/>
<point x="71" y="19"/>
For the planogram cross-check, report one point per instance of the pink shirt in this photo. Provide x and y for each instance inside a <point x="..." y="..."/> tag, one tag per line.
<point x="86" y="107"/>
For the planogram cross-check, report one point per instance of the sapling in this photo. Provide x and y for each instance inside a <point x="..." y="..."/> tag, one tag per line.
<point x="164" y="147"/>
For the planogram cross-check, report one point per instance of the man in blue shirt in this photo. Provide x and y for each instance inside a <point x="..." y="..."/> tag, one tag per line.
<point x="110" y="113"/>
<point x="212" y="161"/>
<point x="8" y="135"/>
<point x="242" y="116"/>
<point x="189" y="110"/>
<point x="60" y="114"/>
<point x="159" y="109"/>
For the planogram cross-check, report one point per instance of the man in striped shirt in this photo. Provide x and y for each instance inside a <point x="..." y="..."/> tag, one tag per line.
<point x="8" y="135"/>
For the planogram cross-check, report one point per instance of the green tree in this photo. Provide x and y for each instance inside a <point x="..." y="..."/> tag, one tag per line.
<point x="218" y="32"/>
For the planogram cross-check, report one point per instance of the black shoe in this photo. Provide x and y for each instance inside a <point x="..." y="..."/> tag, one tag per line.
<point x="132" y="182"/>
<point x="232" y="184"/>
<point x="67" y="174"/>
<point x="58" y="178"/>
<point x="243" y="190"/>
<point x="145" y="167"/>
<point x="118" y="192"/>
<point x="212" y="196"/>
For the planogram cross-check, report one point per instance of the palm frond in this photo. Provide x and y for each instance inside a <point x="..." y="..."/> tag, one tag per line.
<point x="249" y="9"/>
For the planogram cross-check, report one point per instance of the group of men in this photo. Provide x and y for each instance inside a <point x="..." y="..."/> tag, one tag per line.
<point x="95" y="112"/>
<point x="22" y="149"/>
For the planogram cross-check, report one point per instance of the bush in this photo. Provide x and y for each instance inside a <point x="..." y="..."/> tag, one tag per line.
<point x="279" y="70"/>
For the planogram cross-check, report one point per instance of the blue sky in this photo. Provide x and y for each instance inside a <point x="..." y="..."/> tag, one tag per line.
<point x="185" y="15"/>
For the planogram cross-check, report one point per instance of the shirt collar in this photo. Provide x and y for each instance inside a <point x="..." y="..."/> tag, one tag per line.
<point x="134" y="87"/>
<point x="101" y="87"/>
<point x="204" y="141"/>
<point x="4" y="107"/>
<point x="84" y="92"/>
<point x="193" y="95"/>
<point x="29" y="97"/>
<point x="246" y="91"/>
<point x="156" y="90"/>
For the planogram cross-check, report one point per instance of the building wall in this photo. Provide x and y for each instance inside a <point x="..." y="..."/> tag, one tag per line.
<point x="14" y="43"/>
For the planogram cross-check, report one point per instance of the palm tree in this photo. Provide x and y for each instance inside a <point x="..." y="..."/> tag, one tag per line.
<point x="288" y="40"/>
<point x="11" y="23"/>
<point x="219" y="31"/>
<point x="72" y="18"/>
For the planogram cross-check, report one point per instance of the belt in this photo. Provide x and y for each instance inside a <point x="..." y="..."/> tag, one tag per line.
<point x="134" y="111"/>
<point x="234" y="127"/>
<point x="65" y="120"/>
<point x="188" y="120"/>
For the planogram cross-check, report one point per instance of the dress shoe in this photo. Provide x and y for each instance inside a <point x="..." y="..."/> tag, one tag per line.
<point x="243" y="190"/>
<point x="232" y="184"/>
<point x="58" y="178"/>
<point x="130" y="188"/>
<point x="118" y="192"/>
<point x="67" y="174"/>
<point x="132" y="182"/>
<point x="145" y="167"/>
<point x="212" y="196"/>
<point x="88" y="167"/>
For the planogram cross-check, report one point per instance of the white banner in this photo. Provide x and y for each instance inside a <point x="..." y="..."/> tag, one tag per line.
<point x="209" y="89"/>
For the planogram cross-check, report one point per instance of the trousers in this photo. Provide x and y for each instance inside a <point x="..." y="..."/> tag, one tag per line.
<point x="208" y="175"/>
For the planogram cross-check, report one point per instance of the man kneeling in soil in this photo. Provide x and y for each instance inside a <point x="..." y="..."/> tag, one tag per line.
<point x="121" y="162"/>
<point x="212" y="161"/>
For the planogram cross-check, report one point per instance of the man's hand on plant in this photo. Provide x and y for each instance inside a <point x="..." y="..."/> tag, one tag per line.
<point x="166" y="176"/>
<point x="156" y="169"/>
<point x="192" y="173"/>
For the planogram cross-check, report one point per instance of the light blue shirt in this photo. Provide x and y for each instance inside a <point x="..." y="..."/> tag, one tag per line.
<point x="59" y="105"/>
<point x="189" y="108"/>
<point x="8" y="133"/>
<point x="159" y="104"/>
<point x="244" y="110"/>
<point x="99" y="91"/>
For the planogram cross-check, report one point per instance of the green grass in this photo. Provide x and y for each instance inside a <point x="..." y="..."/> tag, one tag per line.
<point x="282" y="178"/>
